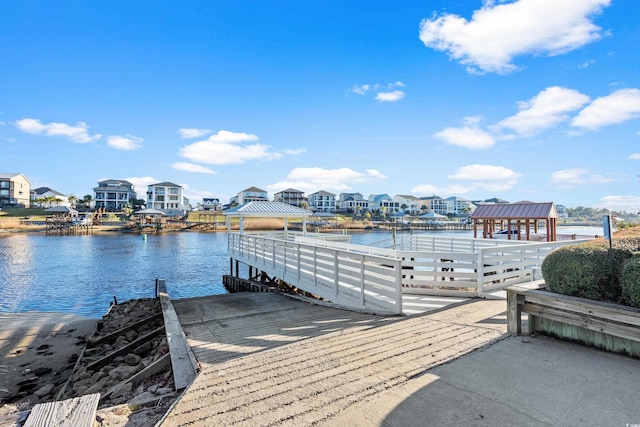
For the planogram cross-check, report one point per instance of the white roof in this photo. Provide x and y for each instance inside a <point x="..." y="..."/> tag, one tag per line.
<point x="268" y="209"/>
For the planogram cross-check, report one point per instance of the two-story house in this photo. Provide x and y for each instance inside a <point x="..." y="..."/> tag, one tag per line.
<point x="407" y="203"/>
<point x="322" y="201"/>
<point x="290" y="196"/>
<point x="114" y="194"/>
<point x="436" y="204"/>
<point x="167" y="197"/>
<point x="211" y="204"/>
<point x="352" y="203"/>
<point x="15" y="190"/>
<point x="459" y="206"/>
<point x="382" y="203"/>
<point x="251" y="194"/>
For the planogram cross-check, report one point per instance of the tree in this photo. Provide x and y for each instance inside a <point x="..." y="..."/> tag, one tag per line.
<point x="73" y="200"/>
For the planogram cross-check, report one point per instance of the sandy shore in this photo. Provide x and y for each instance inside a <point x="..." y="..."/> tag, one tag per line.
<point x="37" y="350"/>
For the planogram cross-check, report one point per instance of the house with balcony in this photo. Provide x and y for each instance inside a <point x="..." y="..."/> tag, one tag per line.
<point x="251" y="194"/>
<point x="459" y="206"/>
<point x="383" y="203"/>
<point x="352" y="203"/>
<point x="322" y="201"/>
<point x="436" y="204"/>
<point x="290" y="196"/>
<point x="408" y="204"/>
<point x="48" y="197"/>
<point x="166" y="197"/>
<point x="15" y="190"/>
<point x="114" y="194"/>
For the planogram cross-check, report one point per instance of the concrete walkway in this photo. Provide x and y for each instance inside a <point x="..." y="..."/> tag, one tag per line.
<point x="270" y="360"/>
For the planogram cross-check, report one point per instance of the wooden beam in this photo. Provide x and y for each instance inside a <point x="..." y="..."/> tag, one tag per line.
<point x="183" y="362"/>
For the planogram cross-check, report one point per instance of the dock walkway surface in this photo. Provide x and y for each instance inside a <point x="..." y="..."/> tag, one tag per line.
<point x="271" y="360"/>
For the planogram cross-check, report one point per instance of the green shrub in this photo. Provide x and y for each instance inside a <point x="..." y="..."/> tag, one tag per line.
<point x="584" y="270"/>
<point x="630" y="282"/>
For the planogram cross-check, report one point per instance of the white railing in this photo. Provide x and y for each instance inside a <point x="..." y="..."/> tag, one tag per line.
<point x="374" y="278"/>
<point x="356" y="280"/>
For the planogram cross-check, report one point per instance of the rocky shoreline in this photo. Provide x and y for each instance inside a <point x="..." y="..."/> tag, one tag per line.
<point x="125" y="359"/>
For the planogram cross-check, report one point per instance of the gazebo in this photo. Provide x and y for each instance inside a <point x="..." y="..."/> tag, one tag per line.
<point x="520" y="217"/>
<point x="262" y="209"/>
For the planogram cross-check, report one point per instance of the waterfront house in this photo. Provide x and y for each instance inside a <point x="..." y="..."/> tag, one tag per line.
<point x="383" y="202"/>
<point x="166" y="197"/>
<point x="48" y="197"/>
<point x="352" y="203"/>
<point x="290" y="196"/>
<point x="114" y="194"/>
<point x="251" y="194"/>
<point x="15" y="190"/>
<point x="435" y="204"/>
<point x="459" y="206"/>
<point x="407" y="203"/>
<point x="322" y="201"/>
<point x="211" y="204"/>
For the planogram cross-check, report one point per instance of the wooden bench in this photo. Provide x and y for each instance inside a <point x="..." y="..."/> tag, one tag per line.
<point x="605" y="318"/>
<point x="76" y="412"/>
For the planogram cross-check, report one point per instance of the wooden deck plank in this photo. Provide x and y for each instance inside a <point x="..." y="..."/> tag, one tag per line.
<point x="76" y="412"/>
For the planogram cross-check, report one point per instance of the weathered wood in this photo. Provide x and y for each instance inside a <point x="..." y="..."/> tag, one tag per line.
<point x="92" y="342"/>
<point x="76" y="412"/>
<point x="152" y="369"/>
<point x="183" y="362"/>
<point x="611" y="320"/>
<point x="124" y="350"/>
<point x="592" y="323"/>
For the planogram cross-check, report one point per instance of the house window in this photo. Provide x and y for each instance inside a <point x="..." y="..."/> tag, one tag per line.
<point x="174" y="191"/>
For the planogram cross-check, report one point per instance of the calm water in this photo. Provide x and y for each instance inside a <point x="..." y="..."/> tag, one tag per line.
<point x="82" y="274"/>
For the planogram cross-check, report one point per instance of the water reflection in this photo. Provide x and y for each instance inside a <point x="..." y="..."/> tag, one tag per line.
<point x="82" y="274"/>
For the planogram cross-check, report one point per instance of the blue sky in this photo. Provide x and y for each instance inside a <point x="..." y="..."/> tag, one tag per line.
<point x="523" y="100"/>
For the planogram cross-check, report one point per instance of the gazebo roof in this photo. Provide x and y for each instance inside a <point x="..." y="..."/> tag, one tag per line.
<point x="521" y="210"/>
<point x="267" y="210"/>
<point x="61" y="209"/>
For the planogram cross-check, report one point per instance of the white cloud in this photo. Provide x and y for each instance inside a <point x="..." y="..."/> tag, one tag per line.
<point x="481" y="177"/>
<point x="621" y="203"/>
<point x="429" y="189"/>
<point x="384" y="93"/>
<point x="224" y="148"/>
<point x="544" y="110"/>
<point x="570" y="178"/>
<point x="140" y="184"/>
<point x="393" y="96"/>
<point x="586" y="64"/>
<point x="635" y="156"/>
<point x="498" y="33"/>
<point x="468" y="137"/>
<point x="186" y="133"/>
<point x="296" y="152"/>
<point x="128" y="142"/>
<point x="78" y="133"/>
<point x="618" y="107"/>
<point x="361" y="90"/>
<point x="316" y="178"/>
<point x="195" y="196"/>
<point x="487" y="177"/>
<point x="191" y="167"/>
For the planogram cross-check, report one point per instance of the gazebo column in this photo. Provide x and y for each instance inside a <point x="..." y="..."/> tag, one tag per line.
<point x="241" y="225"/>
<point x="286" y="229"/>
